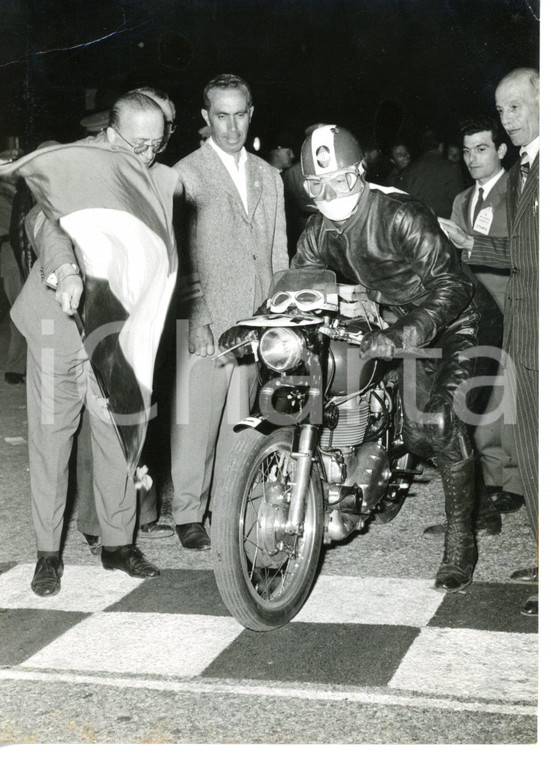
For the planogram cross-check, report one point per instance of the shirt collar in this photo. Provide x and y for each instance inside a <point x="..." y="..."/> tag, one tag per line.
<point x="532" y="149"/>
<point x="487" y="186"/>
<point x="228" y="158"/>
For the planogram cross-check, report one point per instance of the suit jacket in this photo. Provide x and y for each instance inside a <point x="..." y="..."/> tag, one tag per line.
<point x="36" y="313"/>
<point x="494" y="280"/>
<point x="234" y="252"/>
<point x="496" y="199"/>
<point x="520" y="252"/>
<point x="433" y="180"/>
<point x="521" y="326"/>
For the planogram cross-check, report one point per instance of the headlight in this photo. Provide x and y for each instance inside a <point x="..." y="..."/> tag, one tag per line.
<point x="281" y="348"/>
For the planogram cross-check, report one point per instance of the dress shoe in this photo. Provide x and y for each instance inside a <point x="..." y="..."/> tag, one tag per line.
<point x="488" y="524"/>
<point x="526" y="575"/>
<point x="193" y="536"/>
<point x="530" y="606"/>
<point x="129" y="559"/>
<point x="155" y="530"/>
<point x="14" y="378"/>
<point x="94" y="543"/>
<point x="47" y="576"/>
<point x="508" y="502"/>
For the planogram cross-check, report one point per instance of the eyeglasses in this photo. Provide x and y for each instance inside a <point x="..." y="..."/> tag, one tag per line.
<point x="157" y="147"/>
<point x="305" y="300"/>
<point x="342" y="183"/>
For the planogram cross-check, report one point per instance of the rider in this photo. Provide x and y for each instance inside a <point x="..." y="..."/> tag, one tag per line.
<point x="392" y="244"/>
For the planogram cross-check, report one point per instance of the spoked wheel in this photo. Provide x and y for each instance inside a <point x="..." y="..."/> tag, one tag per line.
<point x="264" y="575"/>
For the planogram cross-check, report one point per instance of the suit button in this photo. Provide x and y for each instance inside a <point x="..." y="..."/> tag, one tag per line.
<point x="254" y="257"/>
<point x="514" y="270"/>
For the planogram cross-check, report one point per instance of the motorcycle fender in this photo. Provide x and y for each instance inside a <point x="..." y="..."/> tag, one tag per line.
<point x="256" y="421"/>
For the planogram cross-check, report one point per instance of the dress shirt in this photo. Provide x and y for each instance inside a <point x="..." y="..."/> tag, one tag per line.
<point x="237" y="171"/>
<point x="486" y="187"/>
<point x="532" y="150"/>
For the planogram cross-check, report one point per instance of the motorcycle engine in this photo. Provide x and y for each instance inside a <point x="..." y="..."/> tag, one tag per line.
<point x="360" y="459"/>
<point x="351" y="426"/>
<point x="371" y="472"/>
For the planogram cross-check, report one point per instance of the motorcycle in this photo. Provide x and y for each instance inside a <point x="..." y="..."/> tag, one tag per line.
<point x="321" y="455"/>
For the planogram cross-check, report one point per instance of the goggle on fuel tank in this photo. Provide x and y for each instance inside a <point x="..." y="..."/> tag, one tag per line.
<point x="305" y="300"/>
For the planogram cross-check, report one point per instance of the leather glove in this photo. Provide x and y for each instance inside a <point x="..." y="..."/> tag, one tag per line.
<point x="235" y="335"/>
<point x="263" y="308"/>
<point x="380" y="344"/>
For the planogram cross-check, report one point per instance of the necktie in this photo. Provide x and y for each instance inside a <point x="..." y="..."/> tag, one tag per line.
<point x="479" y="204"/>
<point x="524" y="170"/>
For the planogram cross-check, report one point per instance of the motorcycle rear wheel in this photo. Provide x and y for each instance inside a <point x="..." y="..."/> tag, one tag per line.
<point x="264" y="576"/>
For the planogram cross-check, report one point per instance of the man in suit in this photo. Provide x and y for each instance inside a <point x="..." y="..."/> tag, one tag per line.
<point x="236" y="241"/>
<point x="87" y="519"/>
<point x="517" y="103"/>
<point x="482" y="209"/>
<point x="60" y="379"/>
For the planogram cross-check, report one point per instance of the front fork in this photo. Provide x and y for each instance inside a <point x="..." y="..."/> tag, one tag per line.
<point x="304" y="457"/>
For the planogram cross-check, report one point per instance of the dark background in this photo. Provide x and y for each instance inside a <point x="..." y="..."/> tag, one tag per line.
<point x="387" y="68"/>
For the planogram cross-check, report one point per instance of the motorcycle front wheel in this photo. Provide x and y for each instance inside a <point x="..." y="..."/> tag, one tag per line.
<point x="264" y="575"/>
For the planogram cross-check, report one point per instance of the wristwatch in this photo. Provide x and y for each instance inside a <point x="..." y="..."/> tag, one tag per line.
<point x="52" y="281"/>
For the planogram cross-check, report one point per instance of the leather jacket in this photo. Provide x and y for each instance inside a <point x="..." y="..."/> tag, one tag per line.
<point x="393" y="245"/>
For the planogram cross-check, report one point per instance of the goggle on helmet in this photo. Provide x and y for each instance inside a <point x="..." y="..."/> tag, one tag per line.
<point x="325" y="154"/>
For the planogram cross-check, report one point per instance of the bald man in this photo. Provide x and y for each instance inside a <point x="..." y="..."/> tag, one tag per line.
<point x="136" y="124"/>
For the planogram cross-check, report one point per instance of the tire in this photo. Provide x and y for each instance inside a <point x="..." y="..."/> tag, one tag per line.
<point x="263" y="575"/>
<point x="397" y="489"/>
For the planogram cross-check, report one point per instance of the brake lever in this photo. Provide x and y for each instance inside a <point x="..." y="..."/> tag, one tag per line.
<point x="341" y="333"/>
<point x="237" y="345"/>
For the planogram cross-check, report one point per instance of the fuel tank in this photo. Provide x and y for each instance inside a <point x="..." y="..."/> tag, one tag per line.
<point x="347" y="373"/>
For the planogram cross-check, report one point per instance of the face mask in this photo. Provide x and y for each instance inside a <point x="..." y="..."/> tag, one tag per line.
<point x="338" y="209"/>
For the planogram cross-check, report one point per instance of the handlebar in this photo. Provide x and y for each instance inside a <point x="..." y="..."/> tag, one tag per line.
<point x="336" y="332"/>
<point x="341" y="333"/>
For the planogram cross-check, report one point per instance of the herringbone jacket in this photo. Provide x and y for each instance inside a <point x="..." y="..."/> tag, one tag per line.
<point x="520" y="252"/>
<point x="235" y="252"/>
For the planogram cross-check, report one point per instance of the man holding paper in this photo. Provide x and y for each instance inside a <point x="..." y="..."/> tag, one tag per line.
<point x="482" y="210"/>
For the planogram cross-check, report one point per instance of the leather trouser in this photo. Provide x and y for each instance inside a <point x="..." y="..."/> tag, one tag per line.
<point x="441" y="413"/>
<point x="441" y="401"/>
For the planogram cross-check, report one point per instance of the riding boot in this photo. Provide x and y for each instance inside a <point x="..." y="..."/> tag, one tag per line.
<point x="456" y="570"/>
<point x="486" y="518"/>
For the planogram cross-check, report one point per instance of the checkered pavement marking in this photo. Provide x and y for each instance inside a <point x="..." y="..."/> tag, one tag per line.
<point x="399" y="635"/>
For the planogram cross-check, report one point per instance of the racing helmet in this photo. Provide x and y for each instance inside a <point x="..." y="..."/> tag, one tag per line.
<point x="328" y="149"/>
